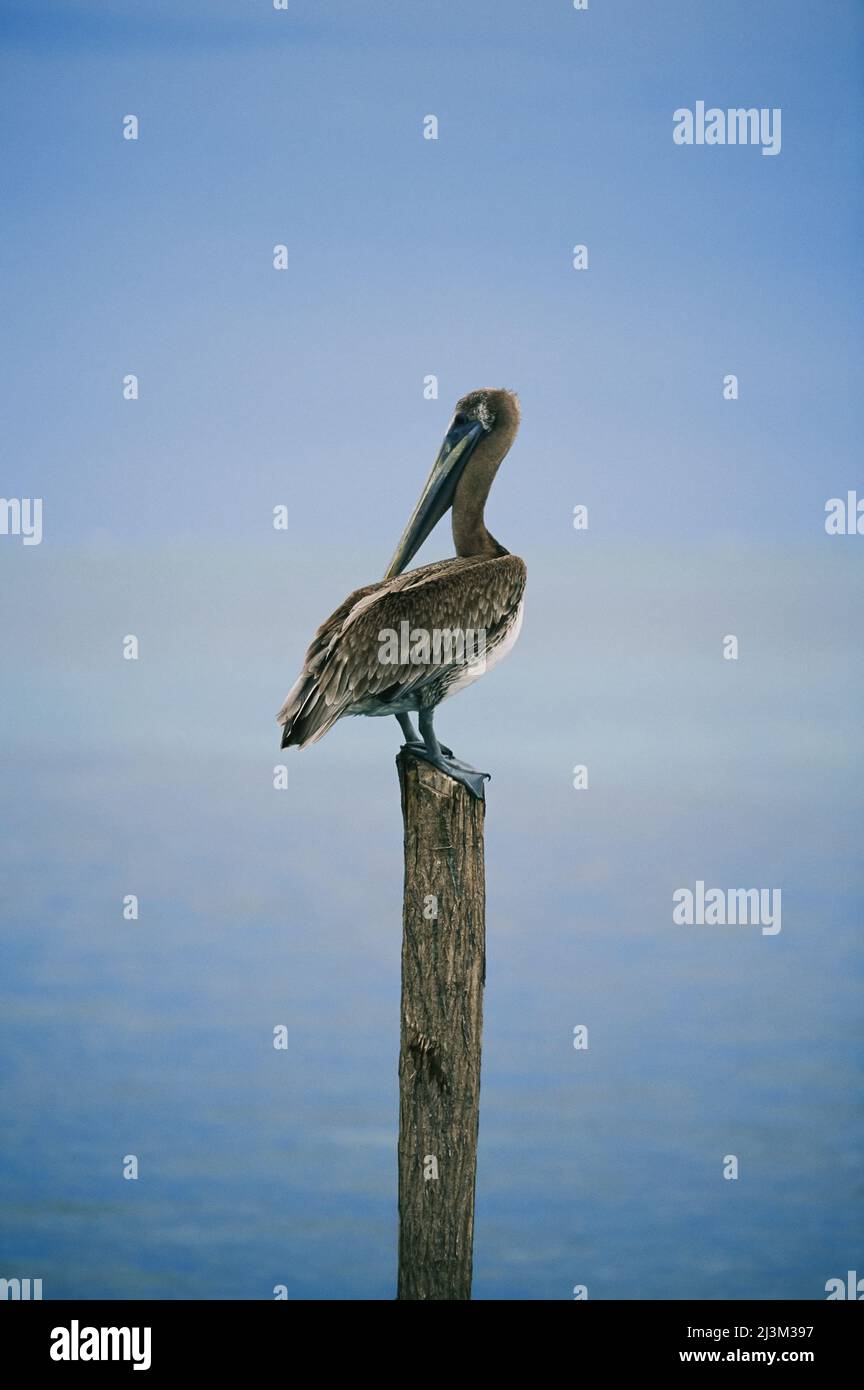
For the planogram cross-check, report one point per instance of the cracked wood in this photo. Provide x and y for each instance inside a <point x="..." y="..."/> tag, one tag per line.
<point x="443" y="972"/>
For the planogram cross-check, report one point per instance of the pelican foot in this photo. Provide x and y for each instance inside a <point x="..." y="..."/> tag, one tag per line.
<point x="414" y="743"/>
<point x="452" y="767"/>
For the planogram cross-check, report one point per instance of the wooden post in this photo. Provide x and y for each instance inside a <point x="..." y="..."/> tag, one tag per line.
<point x="443" y="971"/>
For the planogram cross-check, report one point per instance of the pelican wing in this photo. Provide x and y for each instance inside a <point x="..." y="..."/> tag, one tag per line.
<point x="343" y="667"/>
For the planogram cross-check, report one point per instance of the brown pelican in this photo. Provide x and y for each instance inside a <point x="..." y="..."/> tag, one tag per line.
<point x="401" y="646"/>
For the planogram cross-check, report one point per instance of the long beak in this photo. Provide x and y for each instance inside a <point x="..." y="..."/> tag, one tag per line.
<point x="437" y="495"/>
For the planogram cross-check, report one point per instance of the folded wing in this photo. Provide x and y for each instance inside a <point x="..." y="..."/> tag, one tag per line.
<point x="343" y="669"/>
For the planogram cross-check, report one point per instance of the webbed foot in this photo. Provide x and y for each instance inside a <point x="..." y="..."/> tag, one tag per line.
<point x="452" y="767"/>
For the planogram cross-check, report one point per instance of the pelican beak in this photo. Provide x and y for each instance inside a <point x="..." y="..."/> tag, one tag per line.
<point x="437" y="495"/>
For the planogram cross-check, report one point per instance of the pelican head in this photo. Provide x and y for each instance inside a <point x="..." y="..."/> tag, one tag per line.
<point x="482" y="429"/>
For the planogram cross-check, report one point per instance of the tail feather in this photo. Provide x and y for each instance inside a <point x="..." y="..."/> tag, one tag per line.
<point x="306" y="716"/>
<point x="293" y="701"/>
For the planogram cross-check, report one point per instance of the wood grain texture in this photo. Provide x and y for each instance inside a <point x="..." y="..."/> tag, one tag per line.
<point x="443" y="973"/>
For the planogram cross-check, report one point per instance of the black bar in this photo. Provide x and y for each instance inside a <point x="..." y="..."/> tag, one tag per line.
<point x="218" y="1338"/>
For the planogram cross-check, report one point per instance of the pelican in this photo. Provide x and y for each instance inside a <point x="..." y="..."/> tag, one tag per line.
<point x="406" y="643"/>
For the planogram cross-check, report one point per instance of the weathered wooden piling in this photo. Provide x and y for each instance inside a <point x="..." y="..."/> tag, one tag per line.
<point x="443" y="972"/>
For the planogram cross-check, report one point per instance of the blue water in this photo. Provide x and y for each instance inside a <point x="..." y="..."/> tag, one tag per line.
<point x="259" y="907"/>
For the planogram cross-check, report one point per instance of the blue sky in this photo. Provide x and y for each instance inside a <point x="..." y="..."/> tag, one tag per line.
<point x="410" y="256"/>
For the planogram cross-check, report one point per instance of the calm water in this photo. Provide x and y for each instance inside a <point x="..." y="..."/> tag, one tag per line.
<point x="259" y="907"/>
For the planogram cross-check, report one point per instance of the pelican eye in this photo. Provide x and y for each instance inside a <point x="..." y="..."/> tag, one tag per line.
<point x="459" y="419"/>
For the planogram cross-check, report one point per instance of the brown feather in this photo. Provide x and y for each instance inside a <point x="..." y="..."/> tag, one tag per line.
<point x="342" y="669"/>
